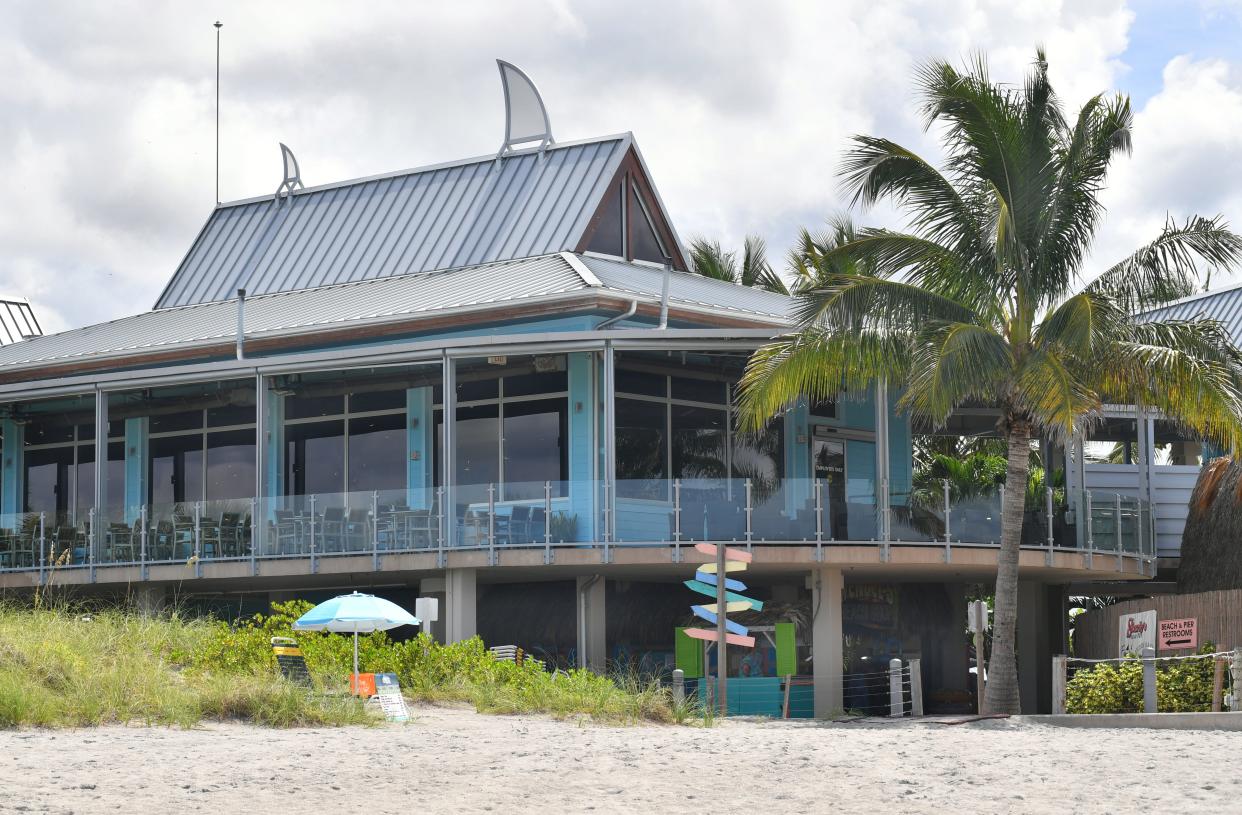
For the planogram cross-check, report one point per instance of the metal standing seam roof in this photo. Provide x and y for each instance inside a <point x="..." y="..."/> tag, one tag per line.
<point x="688" y="288"/>
<point x="445" y="292"/>
<point x="441" y="217"/>
<point x="17" y="320"/>
<point x="1224" y="306"/>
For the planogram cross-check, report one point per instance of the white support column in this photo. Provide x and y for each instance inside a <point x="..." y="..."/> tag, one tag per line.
<point x="461" y="595"/>
<point x="148" y="600"/>
<point x="827" y="653"/>
<point x="592" y="631"/>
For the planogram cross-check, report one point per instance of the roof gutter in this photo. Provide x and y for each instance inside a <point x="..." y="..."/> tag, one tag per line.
<point x="668" y="273"/>
<point x="628" y="313"/>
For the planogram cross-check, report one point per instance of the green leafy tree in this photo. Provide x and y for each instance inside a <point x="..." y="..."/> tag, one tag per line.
<point x="982" y="299"/>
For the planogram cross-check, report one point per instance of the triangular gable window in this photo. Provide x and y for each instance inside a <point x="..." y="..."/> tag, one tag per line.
<point x="645" y="243"/>
<point x="609" y="237"/>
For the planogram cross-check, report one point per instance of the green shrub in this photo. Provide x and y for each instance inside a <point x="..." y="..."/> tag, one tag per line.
<point x="428" y="671"/>
<point x="1181" y="686"/>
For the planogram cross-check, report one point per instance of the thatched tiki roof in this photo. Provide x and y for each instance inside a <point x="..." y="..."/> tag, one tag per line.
<point x="1212" y="541"/>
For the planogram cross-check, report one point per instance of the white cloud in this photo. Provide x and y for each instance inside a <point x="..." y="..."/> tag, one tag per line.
<point x="1187" y="158"/>
<point x="741" y="111"/>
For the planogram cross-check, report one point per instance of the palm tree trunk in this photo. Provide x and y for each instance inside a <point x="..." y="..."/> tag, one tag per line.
<point x="1001" y="695"/>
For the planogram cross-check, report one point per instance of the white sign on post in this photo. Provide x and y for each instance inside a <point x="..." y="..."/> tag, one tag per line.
<point x="1136" y="632"/>
<point x="971" y="615"/>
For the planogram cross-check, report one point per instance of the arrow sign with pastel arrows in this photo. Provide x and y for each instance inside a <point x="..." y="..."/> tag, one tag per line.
<point x="710" y="636"/>
<point x="710" y="579"/>
<point x="730" y="597"/>
<point x="730" y="626"/>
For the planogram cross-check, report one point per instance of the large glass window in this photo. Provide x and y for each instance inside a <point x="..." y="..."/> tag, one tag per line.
<point x="59" y="458"/>
<point x="200" y="441"/>
<point x="672" y="415"/>
<point x="230" y="464"/>
<point x="376" y="452"/>
<point x="512" y="426"/>
<point x="315" y="458"/>
<point x="346" y="431"/>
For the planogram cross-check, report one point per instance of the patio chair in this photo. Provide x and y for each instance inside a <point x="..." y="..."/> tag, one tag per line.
<point x="121" y="547"/>
<point x="332" y="529"/>
<point x="229" y="533"/>
<point x="288" y="532"/>
<point x="536" y="523"/>
<point x="182" y="535"/>
<point x="517" y="525"/>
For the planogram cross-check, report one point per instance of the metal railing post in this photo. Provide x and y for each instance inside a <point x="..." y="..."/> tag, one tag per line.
<point x="1049" y="516"/>
<point x="198" y="538"/>
<point x="608" y="508"/>
<point x="1117" y="529"/>
<point x="1000" y="513"/>
<point x="42" y="552"/>
<point x="677" y="510"/>
<point x="547" y="522"/>
<point x="749" y="509"/>
<point x="947" y="513"/>
<point x="896" y="708"/>
<point x="254" y="535"/>
<point x="92" y="539"/>
<point x="314" y="552"/>
<point x="491" y="524"/>
<point x="679" y="686"/>
<point x="375" y="556"/>
<point x="886" y="531"/>
<point x="818" y="490"/>
<point x="1090" y="523"/>
<point x="142" y="542"/>
<point x="441" y="525"/>
<point x="1150" y="704"/>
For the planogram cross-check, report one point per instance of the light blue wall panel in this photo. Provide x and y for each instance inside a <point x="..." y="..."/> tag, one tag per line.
<point x="420" y="447"/>
<point x="12" y="486"/>
<point x="582" y="441"/>
<point x="137" y="447"/>
<point x="274" y="454"/>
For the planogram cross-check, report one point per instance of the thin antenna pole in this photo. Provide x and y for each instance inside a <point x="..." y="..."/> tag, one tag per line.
<point x="218" y="26"/>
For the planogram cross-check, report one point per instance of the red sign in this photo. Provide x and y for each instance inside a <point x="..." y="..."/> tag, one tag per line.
<point x="1178" y="634"/>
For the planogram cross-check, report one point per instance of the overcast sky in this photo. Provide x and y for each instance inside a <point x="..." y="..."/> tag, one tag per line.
<point x="742" y="109"/>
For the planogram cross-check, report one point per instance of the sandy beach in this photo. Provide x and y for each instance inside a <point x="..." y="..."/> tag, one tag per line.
<point x="452" y="760"/>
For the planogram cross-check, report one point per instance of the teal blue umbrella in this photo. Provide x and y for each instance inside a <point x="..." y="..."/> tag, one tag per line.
<point x="357" y="613"/>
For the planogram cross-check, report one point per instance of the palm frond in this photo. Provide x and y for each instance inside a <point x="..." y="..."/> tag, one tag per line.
<point x="1170" y="267"/>
<point x="816" y="363"/>
<point x="708" y="259"/>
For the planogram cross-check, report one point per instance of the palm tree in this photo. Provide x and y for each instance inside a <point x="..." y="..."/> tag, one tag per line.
<point x="983" y="301"/>
<point x="708" y="259"/>
<point x="813" y="259"/>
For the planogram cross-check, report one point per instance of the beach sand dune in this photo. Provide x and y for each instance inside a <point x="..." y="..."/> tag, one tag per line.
<point x="454" y="760"/>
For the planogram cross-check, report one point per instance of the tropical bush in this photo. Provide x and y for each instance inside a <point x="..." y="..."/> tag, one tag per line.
<point x="460" y="672"/>
<point x="1182" y="686"/>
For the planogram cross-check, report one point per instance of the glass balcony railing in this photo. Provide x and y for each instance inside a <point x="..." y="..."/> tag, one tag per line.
<point x="631" y="512"/>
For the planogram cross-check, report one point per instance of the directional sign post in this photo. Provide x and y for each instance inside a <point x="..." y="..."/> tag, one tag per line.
<point x="711" y="579"/>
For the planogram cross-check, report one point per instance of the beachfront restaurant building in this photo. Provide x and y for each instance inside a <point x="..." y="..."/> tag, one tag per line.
<point x="494" y="381"/>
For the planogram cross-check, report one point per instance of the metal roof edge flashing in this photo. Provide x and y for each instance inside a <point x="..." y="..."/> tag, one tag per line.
<point x="578" y="266"/>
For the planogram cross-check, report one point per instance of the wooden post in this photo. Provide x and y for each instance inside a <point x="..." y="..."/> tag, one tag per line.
<point x="980" y="668"/>
<point x="895" y="707"/>
<point x="1218" y="683"/>
<point x="1058" y="684"/>
<point x="722" y="670"/>
<point x="788" y="682"/>
<point x="916" y="687"/>
<point x="1235" y="677"/>
<point x="679" y="686"/>
<point x="1150" y="704"/>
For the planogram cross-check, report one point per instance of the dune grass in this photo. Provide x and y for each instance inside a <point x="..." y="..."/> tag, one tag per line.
<point x="68" y="667"/>
<point x="65" y="668"/>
